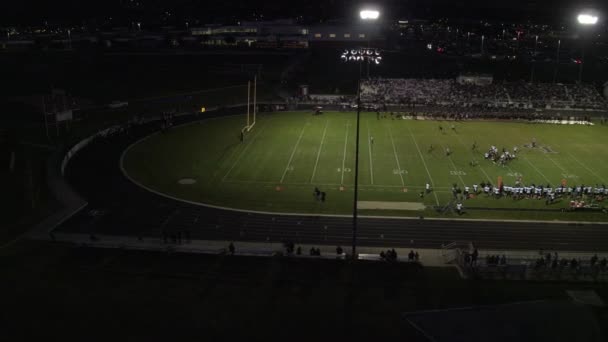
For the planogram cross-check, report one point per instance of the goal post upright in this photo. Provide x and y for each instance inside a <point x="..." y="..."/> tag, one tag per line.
<point x="248" y="100"/>
<point x="255" y="97"/>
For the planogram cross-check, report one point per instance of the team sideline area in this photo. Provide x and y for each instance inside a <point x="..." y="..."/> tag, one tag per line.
<point x="297" y="162"/>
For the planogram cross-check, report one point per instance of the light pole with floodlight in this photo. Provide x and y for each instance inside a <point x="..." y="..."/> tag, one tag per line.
<point x="585" y="19"/>
<point x="371" y="16"/>
<point x="534" y="59"/>
<point x="559" y="45"/>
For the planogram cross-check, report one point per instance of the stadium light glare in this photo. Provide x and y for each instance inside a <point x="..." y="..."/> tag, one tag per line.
<point x="587" y="19"/>
<point x="369" y="14"/>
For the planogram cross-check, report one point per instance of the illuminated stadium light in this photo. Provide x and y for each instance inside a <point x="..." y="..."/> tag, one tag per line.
<point x="587" y="19"/>
<point x="369" y="14"/>
<point x="362" y="54"/>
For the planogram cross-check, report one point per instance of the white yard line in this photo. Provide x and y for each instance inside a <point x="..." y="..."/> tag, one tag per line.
<point x="537" y="170"/>
<point x="293" y="153"/>
<point x="556" y="164"/>
<point x="371" y="163"/>
<point x="424" y="163"/>
<point x="451" y="161"/>
<point x="475" y="158"/>
<point x="586" y="168"/>
<point x="344" y="158"/>
<point x="259" y="132"/>
<point x="314" y="171"/>
<point x="390" y="132"/>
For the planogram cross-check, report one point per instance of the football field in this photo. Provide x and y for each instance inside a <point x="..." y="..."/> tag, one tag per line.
<point x="286" y="155"/>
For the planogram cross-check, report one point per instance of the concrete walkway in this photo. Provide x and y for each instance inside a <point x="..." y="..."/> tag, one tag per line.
<point x="427" y="257"/>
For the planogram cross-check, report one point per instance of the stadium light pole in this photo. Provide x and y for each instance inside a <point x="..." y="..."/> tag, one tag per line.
<point x="559" y="45"/>
<point x="369" y="15"/>
<point x="585" y="19"/>
<point x="534" y="60"/>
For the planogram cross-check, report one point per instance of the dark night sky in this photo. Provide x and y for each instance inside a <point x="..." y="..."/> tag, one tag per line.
<point x="75" y="12"/>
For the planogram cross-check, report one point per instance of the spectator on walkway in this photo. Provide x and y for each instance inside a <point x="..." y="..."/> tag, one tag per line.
<point x="231" y="248"/>
<point x="593" y="260"/>
<point x="474" y="256"/>
<point x="410" y="256"/>
<point x="416" y="256"/>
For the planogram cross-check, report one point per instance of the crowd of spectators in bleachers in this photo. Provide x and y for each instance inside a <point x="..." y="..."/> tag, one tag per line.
<point x="450" y="92"/>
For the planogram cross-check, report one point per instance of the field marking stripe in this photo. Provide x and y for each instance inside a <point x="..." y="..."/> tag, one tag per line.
<point x="344" y="158"/>
<point x="450" y="158"/>
<point x="555" y="163"/>
<point x="588" y="169"/>
<point x="314" y="171"/>
<point x="456" y="170"/>
<point x="371" y="163"/>
<point x="390" y="132"/>
<point x="293" y="152"/>
<point x="259" y="132"/>
<point x="474" y="158"/>
<point x="424" y="163"/>
<point x="537" y="170"/>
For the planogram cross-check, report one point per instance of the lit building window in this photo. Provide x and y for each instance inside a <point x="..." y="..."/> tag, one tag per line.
<point x="332" y="35"/>
<point x="361" y="35"/>
<point x="318" y="35"/>
<point x="347" y="35"/>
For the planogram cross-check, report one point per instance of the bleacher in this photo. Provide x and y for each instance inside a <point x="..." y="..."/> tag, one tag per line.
<point x="448" y="92"/>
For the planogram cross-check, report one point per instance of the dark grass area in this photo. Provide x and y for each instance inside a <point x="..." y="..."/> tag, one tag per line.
<point x="54" y="291"/>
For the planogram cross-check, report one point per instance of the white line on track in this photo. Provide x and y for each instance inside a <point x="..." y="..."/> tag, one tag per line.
<point x="424" y="163"/>
<point x="293" y="153"/>
<point x="537" y="170"/>
<point x="314" y="171"/>
<point x="243" y="152"/>
<point x="390" y="132"/>
<point x="588" y="169"/>
<point x="371" y="163"/>
<point x="344" y="158"/>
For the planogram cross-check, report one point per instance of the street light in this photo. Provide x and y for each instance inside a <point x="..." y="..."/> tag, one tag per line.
<point x="585" y="19"/>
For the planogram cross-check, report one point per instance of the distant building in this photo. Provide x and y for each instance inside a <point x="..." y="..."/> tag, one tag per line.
<point x="339" y="35"/>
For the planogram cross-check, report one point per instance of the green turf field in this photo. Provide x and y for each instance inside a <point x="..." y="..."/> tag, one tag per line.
<point x="286" y="155"/>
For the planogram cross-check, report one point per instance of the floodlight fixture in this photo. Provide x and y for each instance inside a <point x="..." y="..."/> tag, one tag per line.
<point x="361" y="54"/>
<point x="586" y="18"/>
<point x="369" y="14"/>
